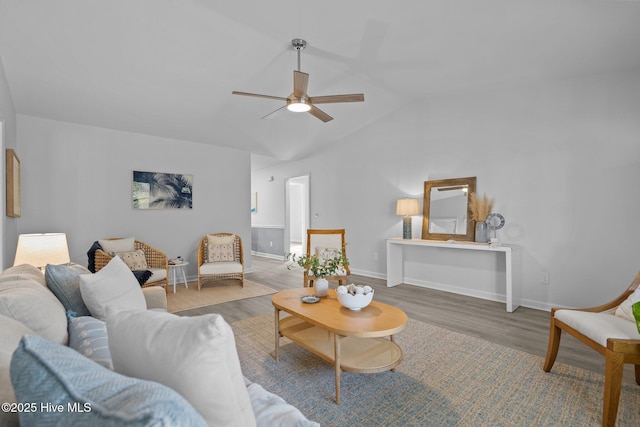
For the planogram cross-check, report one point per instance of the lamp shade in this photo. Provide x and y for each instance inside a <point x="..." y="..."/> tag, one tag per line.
<point x="407" y="207"/>
<point x="41" y="249"/>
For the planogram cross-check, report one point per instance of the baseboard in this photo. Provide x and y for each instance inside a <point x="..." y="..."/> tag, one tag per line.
<point x="266" y="255"/>
<point x="371" y="274"/>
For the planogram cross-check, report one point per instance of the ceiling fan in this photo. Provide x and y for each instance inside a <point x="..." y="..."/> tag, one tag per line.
<point x="299" y="101"/>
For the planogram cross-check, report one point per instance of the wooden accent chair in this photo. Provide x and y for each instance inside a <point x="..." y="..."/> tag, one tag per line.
<point x="610" y="330"/>
<point x="219" y="265"/>
<point x="157" y="263"/>
<point x="317" y="240"/>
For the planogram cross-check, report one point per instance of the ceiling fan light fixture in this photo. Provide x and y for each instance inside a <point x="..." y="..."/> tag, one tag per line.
<point x="298" y="106"/>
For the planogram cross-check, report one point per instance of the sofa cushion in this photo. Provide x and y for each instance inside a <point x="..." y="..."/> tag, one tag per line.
<point x="25" y="271"/>
<point x="115" y="286"/>
<point x="195" y="356"/>
<point x="135" y="260"/>
<point x="88" y="336"/>
<point x="32" y="304"/>
<point x="11" y="332"/>
<point x="42" y="371"/>
<point x="64" y="282"/>
<point x="117" y="245"/>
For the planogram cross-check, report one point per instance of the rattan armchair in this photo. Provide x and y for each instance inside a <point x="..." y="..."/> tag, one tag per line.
<point x="156" y="261"/>
<point x="613" y="336"/>
<point x="220" y="270"/>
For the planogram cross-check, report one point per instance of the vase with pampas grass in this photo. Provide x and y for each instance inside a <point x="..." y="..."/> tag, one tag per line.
<point x="480" y="208"/>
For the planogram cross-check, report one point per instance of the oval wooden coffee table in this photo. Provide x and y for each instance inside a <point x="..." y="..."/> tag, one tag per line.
<point x="355" y="341"/>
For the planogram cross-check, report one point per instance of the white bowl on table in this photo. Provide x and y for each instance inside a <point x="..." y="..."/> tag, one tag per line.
<point x="355" y="302"/>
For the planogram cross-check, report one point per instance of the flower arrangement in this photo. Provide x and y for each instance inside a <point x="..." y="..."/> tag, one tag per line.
<point x="327" y="263"/>
<point x="480" y="207"/>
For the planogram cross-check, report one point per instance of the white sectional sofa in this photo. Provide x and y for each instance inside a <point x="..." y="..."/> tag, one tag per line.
<point x="133" y="364"/>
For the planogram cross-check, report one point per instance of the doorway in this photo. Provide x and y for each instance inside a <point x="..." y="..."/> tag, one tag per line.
<point x="297" y="218"/>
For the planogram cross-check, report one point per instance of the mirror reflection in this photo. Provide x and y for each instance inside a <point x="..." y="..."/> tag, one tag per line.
<point x="449" y="210"/>
<point x="446" y="209"/>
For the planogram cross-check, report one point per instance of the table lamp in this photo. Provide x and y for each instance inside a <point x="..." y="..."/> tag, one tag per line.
<point x="41" y="249"/>
<point x="406" y="208"/>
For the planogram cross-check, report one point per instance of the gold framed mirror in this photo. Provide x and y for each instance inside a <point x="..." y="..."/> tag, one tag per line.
<point x="446" y="214"/>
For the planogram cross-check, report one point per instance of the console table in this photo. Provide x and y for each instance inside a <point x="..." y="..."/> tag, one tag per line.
<point x="395" y="262"/>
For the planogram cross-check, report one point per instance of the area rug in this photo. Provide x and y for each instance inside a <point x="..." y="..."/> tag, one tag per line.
<point x="445" y="379"/>
<point x="213" y="293"/>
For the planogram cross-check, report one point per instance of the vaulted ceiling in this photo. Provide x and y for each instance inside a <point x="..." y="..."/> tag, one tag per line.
<point x="167" y="67"/>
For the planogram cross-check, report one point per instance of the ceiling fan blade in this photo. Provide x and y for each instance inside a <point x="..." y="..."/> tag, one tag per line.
<point x="329" y="99"/>
<point x="300" y="82"/>
<point x="316" y="112"/>
<point x="274" y="113"/>
<point x="235" y="92"/>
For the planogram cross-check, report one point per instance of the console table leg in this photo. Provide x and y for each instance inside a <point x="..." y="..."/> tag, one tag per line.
<point x="336" y="346"/>
<point x="277" y="329"/>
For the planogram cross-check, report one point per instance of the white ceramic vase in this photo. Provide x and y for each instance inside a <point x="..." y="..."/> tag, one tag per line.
<point x="321" y="286"/>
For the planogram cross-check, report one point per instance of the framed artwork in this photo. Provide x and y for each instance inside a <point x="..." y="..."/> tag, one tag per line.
<point x="13" y="184"/>
<point x="157" y="190"/>
<point x="254" y="202"/>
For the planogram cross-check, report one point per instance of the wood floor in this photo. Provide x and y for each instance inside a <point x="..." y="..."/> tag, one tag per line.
<point x="525" y="329"/>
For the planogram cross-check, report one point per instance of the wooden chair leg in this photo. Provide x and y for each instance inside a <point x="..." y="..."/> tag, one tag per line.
<point x="637" y="369"/>
<point x="554" y="344"/>
<point x="612" y="382"/>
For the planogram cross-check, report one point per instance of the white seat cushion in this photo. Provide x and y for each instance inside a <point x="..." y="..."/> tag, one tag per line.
<point x="157" y="274"/>
<point x="599" y="326"/>
<point x="220" y="268"/>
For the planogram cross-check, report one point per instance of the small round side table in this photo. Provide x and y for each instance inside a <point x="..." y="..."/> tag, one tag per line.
<point x="173" y="268"/>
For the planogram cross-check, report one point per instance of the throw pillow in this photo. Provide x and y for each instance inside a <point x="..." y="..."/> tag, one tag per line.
<point x="88" y="336"/>
<point x="115" y="286"/>
<point x="218" y="253"/>
<point x="11" y="333"/>
<point x="33" y="305"/>
<point x="87" y="394"/>
<point x="221" y="240"/>
<point x="118" y="245"/>
<point x="135" y="260"/>
<point x="64" y="282"/>
<point x="195" y="356"/>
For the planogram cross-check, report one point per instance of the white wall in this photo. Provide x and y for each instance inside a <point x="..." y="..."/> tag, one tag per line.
<point x="561" y="159"/>
<point x="77" y="179"/>
<point x="8" y="117"/>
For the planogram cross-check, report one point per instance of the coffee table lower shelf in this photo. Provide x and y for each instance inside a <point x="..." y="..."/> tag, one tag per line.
<point x="353" y="354"/>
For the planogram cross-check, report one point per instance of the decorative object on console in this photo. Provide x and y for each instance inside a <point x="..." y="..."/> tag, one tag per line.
<point x="480" y="209"/>
<point x="446" y="211"/>
<point x="495" y="222"/>
<point x="354" y="297"/>
<point x="407" y="207"/>
<point x="41" y="249"/>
